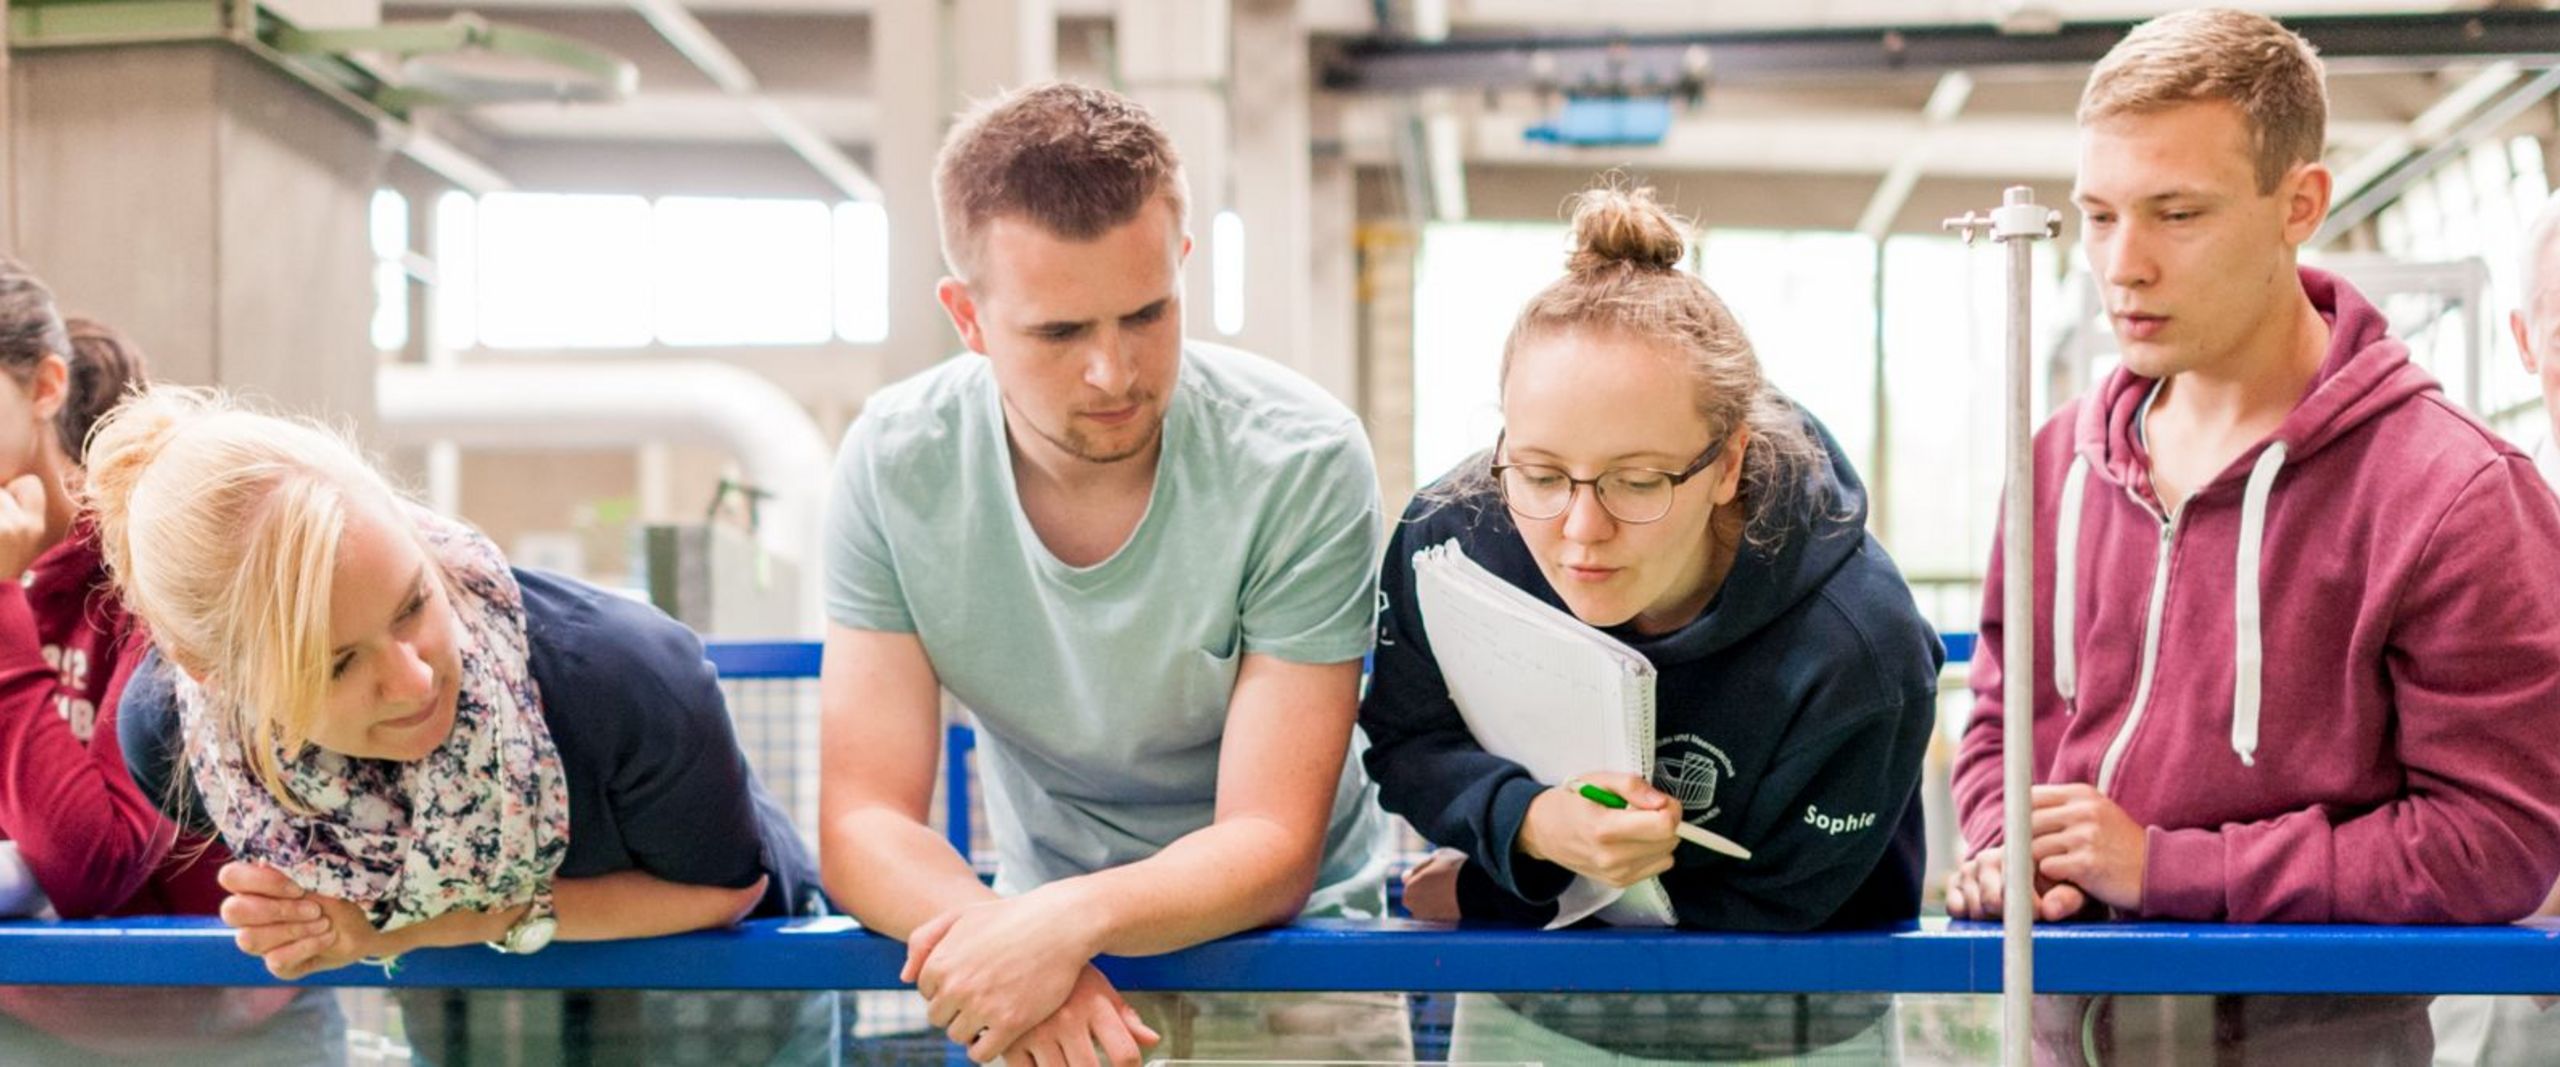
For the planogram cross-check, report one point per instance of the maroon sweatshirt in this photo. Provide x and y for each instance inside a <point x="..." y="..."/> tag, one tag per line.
<point x="2329" y="683"/>
<point x="96" y="844"/>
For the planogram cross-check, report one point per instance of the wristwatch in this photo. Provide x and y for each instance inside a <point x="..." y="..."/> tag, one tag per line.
<point x="532" y="930"/>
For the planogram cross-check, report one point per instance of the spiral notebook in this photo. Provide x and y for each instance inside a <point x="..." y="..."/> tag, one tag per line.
<point x="1543" y="689"/>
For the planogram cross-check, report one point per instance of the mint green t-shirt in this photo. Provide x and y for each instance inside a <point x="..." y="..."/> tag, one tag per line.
<point x="1101" y="692"/>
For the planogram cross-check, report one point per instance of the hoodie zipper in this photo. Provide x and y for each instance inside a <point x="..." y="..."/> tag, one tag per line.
<point x="2150" y="645"/>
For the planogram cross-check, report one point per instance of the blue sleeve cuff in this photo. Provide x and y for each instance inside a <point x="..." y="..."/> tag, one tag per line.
<point x="1534" y="881"/>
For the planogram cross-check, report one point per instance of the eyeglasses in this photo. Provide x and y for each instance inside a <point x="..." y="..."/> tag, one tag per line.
<point x="1541" y="491"/>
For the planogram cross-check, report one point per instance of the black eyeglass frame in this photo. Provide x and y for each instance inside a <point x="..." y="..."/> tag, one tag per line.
<point x="1502" y="486"/>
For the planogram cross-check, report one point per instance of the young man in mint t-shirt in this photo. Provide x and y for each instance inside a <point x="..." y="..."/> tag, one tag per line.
<point x="1145" y="564"/>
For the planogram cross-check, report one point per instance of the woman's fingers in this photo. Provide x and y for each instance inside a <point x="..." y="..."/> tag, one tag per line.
<point x="256" y="879"/>
<point x="247" y="911"/>
<point x="260" y="940"/>
<point x="292" y="961"/>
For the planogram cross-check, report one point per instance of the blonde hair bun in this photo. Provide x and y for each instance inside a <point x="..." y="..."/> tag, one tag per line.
<point x="121" y="450"/>
<point x="1614" y="225"/>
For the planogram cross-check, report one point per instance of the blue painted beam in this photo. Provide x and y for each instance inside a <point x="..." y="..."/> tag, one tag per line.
<point x="745" y="660"/>
<point x="1934" y="957"/>
<point x="740" y="661"/>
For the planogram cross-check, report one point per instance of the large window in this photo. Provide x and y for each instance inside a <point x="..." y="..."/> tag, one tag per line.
<point x="741" y="271"/>
<point x="2474" y="205"/>
<point x="1471" y="278"/>
<point x="560" y="270"/>
<point x="388" y="224"/>
<point x="563" y="270"/>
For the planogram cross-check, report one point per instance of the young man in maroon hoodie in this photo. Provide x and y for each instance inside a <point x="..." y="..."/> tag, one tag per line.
<point x="2295" y="662"/>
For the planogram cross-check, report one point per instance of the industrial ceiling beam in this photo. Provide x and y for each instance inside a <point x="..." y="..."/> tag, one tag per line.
<point x="2358" y="203"/>
<point x="1564" y="62"/>
<point x="691" y="39"/>
<point x="1945" y="102"/>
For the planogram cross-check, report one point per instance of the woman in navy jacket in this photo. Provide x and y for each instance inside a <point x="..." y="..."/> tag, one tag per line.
<point x="1650" y="482"/>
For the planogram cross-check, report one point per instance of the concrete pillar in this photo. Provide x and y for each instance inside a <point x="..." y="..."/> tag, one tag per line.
<point x="1331" y="342"/>
<point x="906" y="67"/>
<point x="1173" y="60"/>
<point x="209" y="205"/>
<point x="439" y="463"/>
<point x="1002" y="44"/>
<point x="1386" y="263"/>
<point x="1272" y="175"/>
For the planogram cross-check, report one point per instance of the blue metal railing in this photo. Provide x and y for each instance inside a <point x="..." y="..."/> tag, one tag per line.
<point x="1395" y="955"/>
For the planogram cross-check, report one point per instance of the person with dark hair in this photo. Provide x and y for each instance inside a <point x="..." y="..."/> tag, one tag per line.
<point x="1652" y="483"/>
<point x="90" y="841"/>
<point x="1177" y="539"/>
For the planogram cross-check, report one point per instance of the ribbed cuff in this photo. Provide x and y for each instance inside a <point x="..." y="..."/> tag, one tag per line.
<point x="1533" y="880"/>
<point x="2183" y="876"/>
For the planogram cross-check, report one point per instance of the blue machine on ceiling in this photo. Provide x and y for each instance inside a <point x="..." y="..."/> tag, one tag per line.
<point x="1587" y="121"/>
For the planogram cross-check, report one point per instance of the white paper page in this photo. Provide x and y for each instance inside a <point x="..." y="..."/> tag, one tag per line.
<point x="1515" y="666"/>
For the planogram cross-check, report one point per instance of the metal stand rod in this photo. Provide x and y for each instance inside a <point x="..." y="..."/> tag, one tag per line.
<point x="2017" y="223"/>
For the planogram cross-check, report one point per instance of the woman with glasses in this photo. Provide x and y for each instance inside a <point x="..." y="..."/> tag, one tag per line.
<point x="1652" y="483"/>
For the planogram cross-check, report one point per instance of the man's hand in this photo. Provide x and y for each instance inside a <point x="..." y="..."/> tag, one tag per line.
<point x="297" y="933"/>
<point x="2084" y="838"/>
<point x="1974" y="888"/>
<point x="1431" y="886"/>
<point x="1618" y="846"/>
<point x="1093" y="1018"/>
<point x="991" y="971"/>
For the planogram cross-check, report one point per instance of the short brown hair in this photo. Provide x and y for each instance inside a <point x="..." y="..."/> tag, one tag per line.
<point x="1074" y="159"/>
<point x="2271" y="74"/>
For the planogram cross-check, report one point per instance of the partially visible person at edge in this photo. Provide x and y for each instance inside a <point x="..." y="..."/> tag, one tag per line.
<point x="2520" y="1031"/>
<point x="82" y="841"/>
<point x="90" y="842"/>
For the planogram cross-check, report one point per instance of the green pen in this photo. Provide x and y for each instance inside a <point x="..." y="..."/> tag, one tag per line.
<point x="1695" y="835"/>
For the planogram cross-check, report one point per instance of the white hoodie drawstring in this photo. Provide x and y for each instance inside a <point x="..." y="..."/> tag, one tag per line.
<point x="2066" y="582"/>
<point x="2249" y="661"/>
<point x="2248" y="665"/>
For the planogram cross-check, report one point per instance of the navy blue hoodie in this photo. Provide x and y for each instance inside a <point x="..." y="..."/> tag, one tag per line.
<point x="1797" y="705"/>
<point x="657" y="782"/>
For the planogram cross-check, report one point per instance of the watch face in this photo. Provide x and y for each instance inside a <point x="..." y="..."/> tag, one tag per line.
<point x="531" y="935"/>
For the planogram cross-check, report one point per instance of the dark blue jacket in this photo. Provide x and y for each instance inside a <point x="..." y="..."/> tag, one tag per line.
<point x="1790" y="716"/>
<point x="657" y="782"/>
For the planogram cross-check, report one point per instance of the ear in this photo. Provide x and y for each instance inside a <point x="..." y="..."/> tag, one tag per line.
<point x="1185" y="257"/>
<point x="2305" y="190"/>
<point x="49" y="388"/>
<point x="2524" y="344"/>
<point x="1729" y="477"/>
<point x="962" y="306"/>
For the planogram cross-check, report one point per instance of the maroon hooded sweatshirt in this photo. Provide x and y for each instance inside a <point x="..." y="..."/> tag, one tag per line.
<point x="96" y="844"/>
<point x="2329" y="683"/>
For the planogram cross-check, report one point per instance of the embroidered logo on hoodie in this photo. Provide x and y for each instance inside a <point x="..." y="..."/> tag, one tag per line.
<point x="1690" y="769"/>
